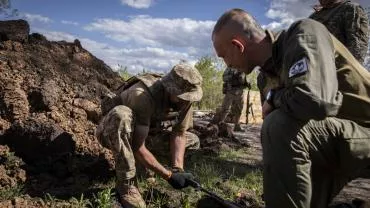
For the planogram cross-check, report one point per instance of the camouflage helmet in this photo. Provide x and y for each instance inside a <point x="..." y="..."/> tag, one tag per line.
<point x="184" y="81"/>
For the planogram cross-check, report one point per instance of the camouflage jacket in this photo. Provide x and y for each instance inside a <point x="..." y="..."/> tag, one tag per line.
<point x="147" y="98"/>
<point x="234" y="80"/>
<point x="349" y="23"/>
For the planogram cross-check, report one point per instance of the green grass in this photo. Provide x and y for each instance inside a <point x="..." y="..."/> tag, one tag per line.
<point x="81" y="202"/>
<point x="104" y="199"/>
<point x="11" y="192"/>
<point x="232" y="155"/>
<point x="226" y="174"/>
<point x="50" y="200"/>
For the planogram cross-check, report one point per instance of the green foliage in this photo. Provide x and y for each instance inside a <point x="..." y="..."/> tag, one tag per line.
<point x="185" y="201"/>
<point x="123" y="72"/>
<point x="211" y="70"/>
<point x="225" y="175"/>
<point x="50" y="200"/>
<point x="158" y="200"/>
<point x="104" y="199"/>
<point x="212" y="83"/>
<point x="80" y="203"/>
<point x="252" y="79"/>
<point x="11" y="192"/>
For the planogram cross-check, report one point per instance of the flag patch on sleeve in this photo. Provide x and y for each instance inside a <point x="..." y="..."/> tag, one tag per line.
<point x="300" y="67"/>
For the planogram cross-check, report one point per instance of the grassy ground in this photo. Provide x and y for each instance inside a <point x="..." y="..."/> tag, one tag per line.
<point x="225" y="174"/>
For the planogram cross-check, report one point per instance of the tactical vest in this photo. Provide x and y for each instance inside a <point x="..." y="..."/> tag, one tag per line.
<point x="233" y="80"/>
<point x="150" y="80"/>
<point x="111" y="100"/>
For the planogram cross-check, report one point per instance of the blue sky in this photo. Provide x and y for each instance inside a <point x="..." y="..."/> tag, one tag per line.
<point x="150" y="34"/>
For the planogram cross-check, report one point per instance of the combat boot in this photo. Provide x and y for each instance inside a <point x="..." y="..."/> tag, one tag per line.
<point x="129" y="194"/>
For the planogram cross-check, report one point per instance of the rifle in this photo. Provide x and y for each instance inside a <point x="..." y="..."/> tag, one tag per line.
<point x="223" y="202"/>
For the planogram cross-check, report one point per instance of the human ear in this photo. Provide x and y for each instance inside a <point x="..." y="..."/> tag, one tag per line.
<point x="238" y="44"/>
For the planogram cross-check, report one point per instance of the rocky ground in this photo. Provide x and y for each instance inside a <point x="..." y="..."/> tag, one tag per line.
<point x="49" y="157"/>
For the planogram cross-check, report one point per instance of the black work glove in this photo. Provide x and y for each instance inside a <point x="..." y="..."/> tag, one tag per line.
<point x="180" y="180"/>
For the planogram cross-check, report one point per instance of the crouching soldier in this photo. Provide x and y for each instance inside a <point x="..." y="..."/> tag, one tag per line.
<point x="144" y="103"/>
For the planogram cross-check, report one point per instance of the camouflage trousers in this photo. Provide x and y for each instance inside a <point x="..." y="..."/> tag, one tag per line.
<point x="307" y="163"/>
<point x="115" y="132"/>
<point x="232" y="103"/>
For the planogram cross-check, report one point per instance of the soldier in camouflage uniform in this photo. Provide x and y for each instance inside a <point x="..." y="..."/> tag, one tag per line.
<point x="150" y="112"/>
<point x="316" y="131"/>
<point x="348" y="22"/>
<point x="233" y="88"/>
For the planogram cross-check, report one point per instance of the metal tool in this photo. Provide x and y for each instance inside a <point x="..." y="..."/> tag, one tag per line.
<point x="226" y="203"/>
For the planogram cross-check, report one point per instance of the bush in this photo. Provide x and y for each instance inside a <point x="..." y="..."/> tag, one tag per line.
<point x="212" y="83"/>
<point x="123" y="72"/>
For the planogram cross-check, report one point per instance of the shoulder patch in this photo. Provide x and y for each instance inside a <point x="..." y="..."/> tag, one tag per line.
<point x="300" y="67"/>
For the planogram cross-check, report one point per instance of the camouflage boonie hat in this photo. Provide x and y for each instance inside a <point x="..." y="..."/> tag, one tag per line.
<point x="184" y="81"/>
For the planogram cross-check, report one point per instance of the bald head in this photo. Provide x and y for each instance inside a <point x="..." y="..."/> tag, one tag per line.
<point x="240" y="41"/>
<point x="238" y="21"/>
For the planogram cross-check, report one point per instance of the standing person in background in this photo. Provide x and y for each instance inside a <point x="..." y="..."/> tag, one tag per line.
<point x="233" y="88"/>
<point x="348" y="22"/>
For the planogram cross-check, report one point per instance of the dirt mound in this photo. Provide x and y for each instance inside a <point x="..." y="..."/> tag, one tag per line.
<point x="49" y="107"/>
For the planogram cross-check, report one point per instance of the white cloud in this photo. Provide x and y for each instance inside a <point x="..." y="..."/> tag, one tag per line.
<point x="157" y="32"/>
<point x="139" y="4"/>
<point x="66" y="22"/>
<point x="285" y="12"/>
<point x="54" y="35"/>
<point x="148" y="58"/>
<point x="156" y="59"/>
<point x="156" y="43"/>
<point x="35" y="18"/>
<point x="274" y="26"/>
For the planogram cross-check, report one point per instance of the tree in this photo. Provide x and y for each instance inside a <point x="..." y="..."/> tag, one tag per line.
<point x="212" y="82"/>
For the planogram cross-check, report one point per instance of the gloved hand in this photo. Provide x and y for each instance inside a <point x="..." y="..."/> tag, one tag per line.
<point x="180" y="180"/>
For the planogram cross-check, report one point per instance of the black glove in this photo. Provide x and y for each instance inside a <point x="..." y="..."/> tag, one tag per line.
<point x="180" y="180"/>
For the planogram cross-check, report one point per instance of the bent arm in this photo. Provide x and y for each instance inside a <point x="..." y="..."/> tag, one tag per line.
<point x="311" y="86"/>
<point x="143" y="155"/>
